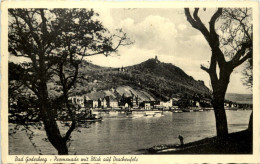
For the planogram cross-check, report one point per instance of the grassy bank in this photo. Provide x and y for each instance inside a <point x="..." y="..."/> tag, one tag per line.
<point x="237" y="143"/>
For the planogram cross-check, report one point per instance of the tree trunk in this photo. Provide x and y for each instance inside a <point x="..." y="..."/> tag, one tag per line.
<point x="220" y="116"/>
<point x="50" y="124"/>
<point x="219" y="92"/>
<point x="55" y="137"/>
<point x="219" y="86"/>
<point x="47" y="113"/>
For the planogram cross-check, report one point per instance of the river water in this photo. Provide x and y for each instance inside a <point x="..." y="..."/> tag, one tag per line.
<point x="118" y="134"/>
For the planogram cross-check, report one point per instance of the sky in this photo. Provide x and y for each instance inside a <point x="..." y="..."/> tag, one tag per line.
<point x="164" y="33"/>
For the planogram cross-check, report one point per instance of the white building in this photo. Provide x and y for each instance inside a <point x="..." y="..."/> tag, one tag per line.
<point x="113" y="104"/>
<point x="126" y="105"/>
<point x="167" y="104"/>
<point x="147" y="106"/>
<point x="197" y="104"/>
<point x="95" y="103"/>
<point x="77" y="100"/>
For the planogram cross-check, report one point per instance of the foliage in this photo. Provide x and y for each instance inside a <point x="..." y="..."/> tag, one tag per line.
<point x="236" y="30"/>
<point x="248" y="74"/>
<point x="53" y="43"/>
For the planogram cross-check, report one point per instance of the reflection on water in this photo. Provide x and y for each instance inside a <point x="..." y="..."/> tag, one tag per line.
<point x="118" y="134"/>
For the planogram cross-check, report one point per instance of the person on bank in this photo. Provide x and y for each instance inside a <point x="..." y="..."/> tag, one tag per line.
<point x="181" y="140"/>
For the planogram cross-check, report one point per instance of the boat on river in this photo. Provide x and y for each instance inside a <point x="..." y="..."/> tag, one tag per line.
<point x="138" y="114"/>
<point x="153" y="113"/>
<point x="113" y="113"/>
<point x="187" y="110"/>
<point x="129" y="112"/>
<point x="207" y="109"/>
<point x="198" y="110"/>
<point x="177" y="111"/>
<point x="92" y="118"/>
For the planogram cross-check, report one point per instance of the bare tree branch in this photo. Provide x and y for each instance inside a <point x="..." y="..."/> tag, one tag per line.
<point x="204" y="68"/>
<point x="196" y="23"/>
<point x="240" y="53"/>
<point x="190" y="19"/>
<point x="212" y="26"/>
<point x="247" y="56"/>
<point x="211" y="37"/>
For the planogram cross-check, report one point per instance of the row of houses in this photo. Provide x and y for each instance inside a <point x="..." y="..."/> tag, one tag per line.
<point x="105" y="102"/>
<point x="228" y="105"/>
<point x="110" y="101"/>
<point x="83" y="101"/>
<point x="127" y="102"/>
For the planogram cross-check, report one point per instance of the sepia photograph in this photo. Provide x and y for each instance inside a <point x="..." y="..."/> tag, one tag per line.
<point x="130" y="81"/>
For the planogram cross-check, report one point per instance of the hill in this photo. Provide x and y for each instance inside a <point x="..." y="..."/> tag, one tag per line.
<point x="240" y="98"/>
<point x="151" y="79"/>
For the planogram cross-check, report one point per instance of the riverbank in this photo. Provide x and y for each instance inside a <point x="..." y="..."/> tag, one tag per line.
<point x="237" y="143"/>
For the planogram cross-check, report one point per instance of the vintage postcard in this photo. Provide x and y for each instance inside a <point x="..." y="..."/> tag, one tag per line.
<point x="129" y="82"/>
